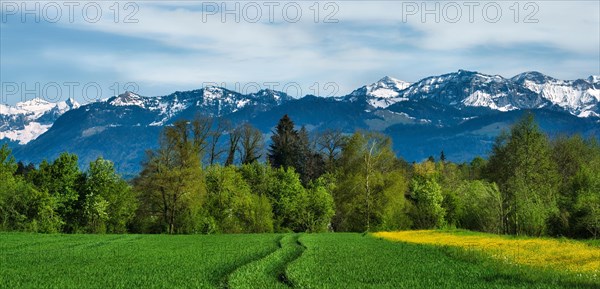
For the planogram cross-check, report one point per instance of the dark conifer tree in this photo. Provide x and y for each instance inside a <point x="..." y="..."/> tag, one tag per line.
<point x="283" y="151"/>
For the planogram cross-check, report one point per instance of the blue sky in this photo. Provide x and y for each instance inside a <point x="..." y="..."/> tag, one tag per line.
<point x="185" y="45"/>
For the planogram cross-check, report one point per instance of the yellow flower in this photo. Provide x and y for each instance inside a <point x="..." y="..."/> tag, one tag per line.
<point x="551" y="253"/>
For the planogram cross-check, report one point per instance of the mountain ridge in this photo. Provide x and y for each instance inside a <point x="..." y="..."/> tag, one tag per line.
<point x="475" y="107"/>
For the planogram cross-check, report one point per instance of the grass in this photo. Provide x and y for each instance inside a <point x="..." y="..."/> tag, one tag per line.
<point x="269" y="271"/>
<point x="558" y="254"/>
<point x="356" y="261"/>
<point x="126" y="261"/>
<point x="333" y="260"/>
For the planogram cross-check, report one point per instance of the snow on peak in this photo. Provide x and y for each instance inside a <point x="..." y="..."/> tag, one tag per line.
<point x="128" y="99"/>
<point x="212" y="92"/>
<point x="67" y="105"/>
<point x="386" y="87"/>
<point x="36" y="106"/>
<point x="27" y="133"/>
<point x="27" y="120"/>
<point x="484" y="99"/>
<point x="594" y="79"/>
<point x="384" y="92"/>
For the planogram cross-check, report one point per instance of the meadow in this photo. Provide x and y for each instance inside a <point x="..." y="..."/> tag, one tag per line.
<point x="327" y="260"/>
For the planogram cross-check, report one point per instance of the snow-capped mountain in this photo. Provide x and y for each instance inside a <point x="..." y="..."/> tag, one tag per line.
<point x="384" y="92"/>
<point x="210" y="101"/>
<point x="529" y="90"/>
<point x="27" y="120"/>
<point x="579" y="97"/>
<point x="459" y="112"/>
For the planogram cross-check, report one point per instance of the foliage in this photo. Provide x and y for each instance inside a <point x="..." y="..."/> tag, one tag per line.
<point x="171" y="184"/>
<point x="522" y="166"/>
<point x="233" y="206"/>
<point x="109" y="202"/>
<point x="483" y="207"/>
<point x="370" y="191"/>
<point x="312" y="182"/>
<point x="427" y="195"/>
<point x="62" y="180"/>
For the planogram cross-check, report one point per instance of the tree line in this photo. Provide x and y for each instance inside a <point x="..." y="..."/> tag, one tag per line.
<point x="209" y="177"/>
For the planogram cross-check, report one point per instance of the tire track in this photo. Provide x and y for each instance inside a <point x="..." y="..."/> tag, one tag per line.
<point x="225" y="279"/>
<point x="268" y="272"/>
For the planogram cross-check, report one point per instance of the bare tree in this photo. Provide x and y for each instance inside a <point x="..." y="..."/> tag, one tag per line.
<point x="215" y="151"/>
<point x="201" y="129"/>
<point x="234" y="139"/>
<point x="251" y="144"/>
<point x="330" y="143"/>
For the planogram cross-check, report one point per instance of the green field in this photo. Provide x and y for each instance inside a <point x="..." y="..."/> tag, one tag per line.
<point x="335" y="260"/>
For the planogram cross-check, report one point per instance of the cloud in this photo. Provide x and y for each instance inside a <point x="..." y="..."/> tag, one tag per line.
<point x="177" y="45"/>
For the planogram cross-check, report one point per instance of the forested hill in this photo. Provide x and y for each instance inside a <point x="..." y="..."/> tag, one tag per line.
<point x="529" y="185"/>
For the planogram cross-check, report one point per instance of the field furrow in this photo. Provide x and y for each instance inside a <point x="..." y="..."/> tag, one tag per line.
<point x="268" y="272"/>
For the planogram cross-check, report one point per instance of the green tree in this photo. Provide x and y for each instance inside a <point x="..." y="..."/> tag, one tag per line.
<point x="232" y="205"/>
<point x="289" y="199"/>
<point x="586" y="210"/>
<point x="320" y="206"/>
<point x="22" y="206"/>
<point x="571" y="155"/>
<point x="8" y="166"/>
<point x="109" y="202"/>
<point x="428" y="198"/>
<point x="171" y="184"/>
<point x="483" y="207"/>
<point x="522" y="166"/>
<point x="62" y="180"/>
<point x="367" y="183"/>
<point x="329" y="144"/>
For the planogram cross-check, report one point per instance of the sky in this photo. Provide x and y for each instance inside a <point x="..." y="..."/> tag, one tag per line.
<point x="57" y="50"/>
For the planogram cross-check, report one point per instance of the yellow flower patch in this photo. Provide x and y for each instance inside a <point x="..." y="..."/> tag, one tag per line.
<point x="552" y="253"/>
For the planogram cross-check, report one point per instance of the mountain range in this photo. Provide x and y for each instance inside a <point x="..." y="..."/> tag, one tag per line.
<point x="460" y="113"/>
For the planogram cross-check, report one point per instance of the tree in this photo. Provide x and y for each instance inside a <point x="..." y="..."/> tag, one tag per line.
<point x="8" y="167"/>
<point x="62" y="180"/>
<point x="522" y="167"/>
<point x="251" y="144"/>
<point x="283" y="151"/>
<point x="483" y="209"/>
<point x="22" y="206"/>
<point x="201" y="129"/>
<point x="171" y="182"/>
<point x="310" y="163"/>
<point x="427" y="194"/>
<point x="24" y="170"/>
<point x="215" y="150"/>
<point x="320" y="205"/>
<point x="586" y="210"/>
<point x="450" y="177"/>
<point x="232" y="205"/>
<point x="289" y="200"/>
<point x="368" y="183"/>
<point x="329" y="144"/>
<point x="477" y="168"/>
<point x="571" y="154"/>
<point x="234" y="138"/>
<point x="109" y="202"/>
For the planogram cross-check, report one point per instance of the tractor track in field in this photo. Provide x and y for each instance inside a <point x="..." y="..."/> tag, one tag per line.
<point x="268" y="271"/>
<point x="282" y="276"/>
<point x="225" y="279"/>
